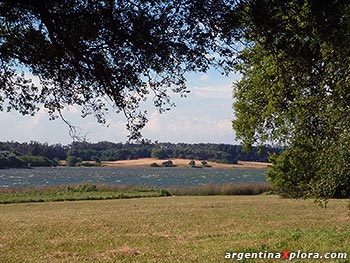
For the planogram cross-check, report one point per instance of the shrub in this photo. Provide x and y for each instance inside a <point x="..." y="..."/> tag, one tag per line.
<point x="164" y="192"/>
<point x="89" y="164"/>
<point x="168" y="163"/>
<point x="205" y="164"/>
<point x="83" y="188"/>
<point x="225" y="189"/>
<point x="154" y="165"/>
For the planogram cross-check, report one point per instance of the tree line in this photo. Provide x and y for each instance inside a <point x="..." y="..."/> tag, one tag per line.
<point x="11" y="160"/>
<point x="108" y="151"/>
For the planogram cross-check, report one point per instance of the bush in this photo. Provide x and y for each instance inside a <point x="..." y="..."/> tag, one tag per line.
<point x="205" y="164"/>
<point x="168" y="163"/>
<point x="154" y="165"/>
<point x="164" y="192"/>
<point x="89" y="164"/>
<point x="83" y="188"/>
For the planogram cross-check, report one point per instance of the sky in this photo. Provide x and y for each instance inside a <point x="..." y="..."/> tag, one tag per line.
<point x="203" y="117"/>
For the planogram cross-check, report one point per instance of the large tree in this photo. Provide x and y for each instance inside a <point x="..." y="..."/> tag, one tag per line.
<point x="295" y="91"/>
<point x="103" y="54"/>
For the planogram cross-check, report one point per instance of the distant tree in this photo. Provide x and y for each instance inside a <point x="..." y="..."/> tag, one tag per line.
<point x="96" y="159"/>
<point x="72" y="161"/>
<point x="38" y="161"/>
<point x="9" y="160"/>
<point x="159" y="153"/>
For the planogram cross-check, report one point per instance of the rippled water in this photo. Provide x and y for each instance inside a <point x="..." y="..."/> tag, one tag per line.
<point x="159" y="177"/>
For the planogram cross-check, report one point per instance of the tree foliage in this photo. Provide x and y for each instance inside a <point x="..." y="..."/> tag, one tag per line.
<point x="9" y="160"/>
<point x="106" y="55"/>
<point x="72" y="161"/>
<point x="159" y="153"/>
<point x="36" y="161"/>
<point x="295" y="91"/>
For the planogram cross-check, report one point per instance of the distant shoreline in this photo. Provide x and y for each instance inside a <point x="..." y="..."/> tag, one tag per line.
<point x="184" y="163"/>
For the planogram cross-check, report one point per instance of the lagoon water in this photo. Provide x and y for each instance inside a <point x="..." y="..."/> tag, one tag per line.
<point x="157" y="177"/>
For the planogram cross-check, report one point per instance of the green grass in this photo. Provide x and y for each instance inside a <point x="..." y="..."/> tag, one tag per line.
<point x="105" y="192"/>
<point x="223" y="189"/>
<point x="75" y="193"/>
<point x="171" y="229"/>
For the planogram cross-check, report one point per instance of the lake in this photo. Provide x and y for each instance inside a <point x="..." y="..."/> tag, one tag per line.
<point x="157" y="177"/>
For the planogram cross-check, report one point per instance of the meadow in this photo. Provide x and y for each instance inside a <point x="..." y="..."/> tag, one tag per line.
<point x="171" y="229"/>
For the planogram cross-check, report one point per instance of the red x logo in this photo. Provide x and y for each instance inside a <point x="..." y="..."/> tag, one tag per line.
<point x="286" y="254"/>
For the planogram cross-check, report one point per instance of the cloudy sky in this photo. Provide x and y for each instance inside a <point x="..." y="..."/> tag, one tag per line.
<point x="204" y="116"/>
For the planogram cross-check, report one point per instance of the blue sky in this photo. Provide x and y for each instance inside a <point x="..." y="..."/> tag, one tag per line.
<point x="204" y="116"/>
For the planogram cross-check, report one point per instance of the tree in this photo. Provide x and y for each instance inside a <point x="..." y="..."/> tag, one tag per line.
<point x="9" y="160"/>
<point x="72" y="161"/>
<point x="294" y="91"/>
<point x="100" y="53"/>
<point x="159" y="153"/>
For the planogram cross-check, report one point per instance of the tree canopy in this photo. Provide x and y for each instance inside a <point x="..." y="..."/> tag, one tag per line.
<point x="295" y="91"/>
<point x="106" y="55"/>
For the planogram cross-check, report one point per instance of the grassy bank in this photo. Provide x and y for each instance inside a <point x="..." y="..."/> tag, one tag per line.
<point x="75" y="193"/>
<point x="105" y="192"/>
<point x="171" y="229"/>
<point x="224" y="189"/>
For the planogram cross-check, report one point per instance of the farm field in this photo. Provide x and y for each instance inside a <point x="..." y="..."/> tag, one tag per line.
<point x="146" y="162"/>
<point x="171" y="229"/>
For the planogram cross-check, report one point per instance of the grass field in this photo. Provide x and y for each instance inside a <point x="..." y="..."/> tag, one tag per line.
<point x="171" y="229"/>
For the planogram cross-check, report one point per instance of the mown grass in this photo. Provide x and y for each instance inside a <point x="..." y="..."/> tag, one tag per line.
<point x="171" y="229"/>
<point x="75" y="193"/>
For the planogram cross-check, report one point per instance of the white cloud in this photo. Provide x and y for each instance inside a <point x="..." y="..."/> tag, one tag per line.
<point x="205" y="116"/>
<point x="187" y="128"/>
<point x="213" y="92"/>
<point x="204" y="77"/>
<point x="73" y="109"/>
<point x="154" y="123"/>
<point x="114" y="131"/>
